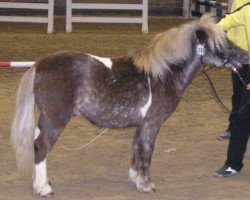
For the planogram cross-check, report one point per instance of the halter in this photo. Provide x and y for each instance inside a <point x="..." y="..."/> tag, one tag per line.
<point x="226" y="60"/>
<point x="229" y="59"/>
<point x="201" y="50"/>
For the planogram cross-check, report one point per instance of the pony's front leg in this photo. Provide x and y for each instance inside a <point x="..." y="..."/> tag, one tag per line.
<point x="41" y="185"/>
<point x="143" y="148"/>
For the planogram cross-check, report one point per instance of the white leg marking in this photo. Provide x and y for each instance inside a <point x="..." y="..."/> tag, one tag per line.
<point x="145" y="108"/>
<point x="106" y="61"/>
<point x="140" y="182"/>
<point x="37" y="132"/>
<point x="144" y="185"/>
<point x="133" y="175"/>
<point x="41" y="185"/>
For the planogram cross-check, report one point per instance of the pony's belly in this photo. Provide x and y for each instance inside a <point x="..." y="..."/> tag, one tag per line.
<point x="110" y="119"/>
<point x="110" y="116"/>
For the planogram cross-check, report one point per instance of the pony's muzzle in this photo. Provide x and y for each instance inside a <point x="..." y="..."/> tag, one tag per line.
<point x="237" y="63"/>
<point x="234" y="63"/>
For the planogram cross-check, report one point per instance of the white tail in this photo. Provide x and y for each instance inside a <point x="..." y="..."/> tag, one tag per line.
<point x="23" y="127"/>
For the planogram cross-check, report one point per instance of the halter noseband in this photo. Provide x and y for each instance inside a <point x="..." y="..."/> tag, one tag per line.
<point x="226" y="60"/>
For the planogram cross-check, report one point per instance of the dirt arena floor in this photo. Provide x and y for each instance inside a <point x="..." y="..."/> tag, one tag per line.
<point x="186" y="152"/>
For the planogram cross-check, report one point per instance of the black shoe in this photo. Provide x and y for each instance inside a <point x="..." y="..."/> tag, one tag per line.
<point x="225" y="171"/>
<point x="225" y="136"/>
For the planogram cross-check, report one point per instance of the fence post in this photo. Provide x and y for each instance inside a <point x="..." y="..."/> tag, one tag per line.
<point x="50" y="28"/>
<point x="187" y="8"/>
<point x="145" y="17"/>
<point x="68" y="16"/>
<point x="229" y="5"/>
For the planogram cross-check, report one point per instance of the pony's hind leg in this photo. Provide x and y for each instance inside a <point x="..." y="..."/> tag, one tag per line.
<point x="46" y="134"/>
<point x="143" y="148"/>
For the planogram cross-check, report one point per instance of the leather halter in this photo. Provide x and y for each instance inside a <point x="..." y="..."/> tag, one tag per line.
<point x="201" y="50"/>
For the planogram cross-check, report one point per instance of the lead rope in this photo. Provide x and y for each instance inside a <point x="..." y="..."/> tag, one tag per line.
<point x="215" y="93"/>
<point x="201" y="51"/>
<point x="244" y="83"/>
<point x="234" y="69"/>
<point x="239" y="76"/>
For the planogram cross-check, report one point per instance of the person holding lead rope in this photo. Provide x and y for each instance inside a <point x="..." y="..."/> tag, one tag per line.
<point x="237" y="25"/>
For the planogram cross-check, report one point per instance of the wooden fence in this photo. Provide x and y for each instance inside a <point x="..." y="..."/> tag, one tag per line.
<point x="143" y="7"/>
<point x="49" y="19"/>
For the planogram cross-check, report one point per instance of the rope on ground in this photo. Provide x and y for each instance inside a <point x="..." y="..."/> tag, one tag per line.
<point x="85" y="145"/>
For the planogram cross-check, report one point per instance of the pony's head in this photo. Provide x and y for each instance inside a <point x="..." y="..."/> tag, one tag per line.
<point x="215" y="48"/>
<point x="198" y="41"/>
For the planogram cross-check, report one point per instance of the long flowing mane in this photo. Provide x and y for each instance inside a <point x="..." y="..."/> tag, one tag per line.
<point x="175" y="46"/>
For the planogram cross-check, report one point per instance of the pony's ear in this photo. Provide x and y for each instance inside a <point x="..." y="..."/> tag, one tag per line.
<point x="201" y="36"/>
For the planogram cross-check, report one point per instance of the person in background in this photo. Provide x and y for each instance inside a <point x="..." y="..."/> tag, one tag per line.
<point x="238" y="36"/>
<point x="237" y="24"/>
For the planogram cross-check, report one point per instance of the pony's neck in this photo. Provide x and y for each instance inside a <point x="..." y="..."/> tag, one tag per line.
<point x="183" y="77"/>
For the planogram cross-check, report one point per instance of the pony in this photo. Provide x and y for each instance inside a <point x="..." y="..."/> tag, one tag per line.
<point x="140" y="89"/>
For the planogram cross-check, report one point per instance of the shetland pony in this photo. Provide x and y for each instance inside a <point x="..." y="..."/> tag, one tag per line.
<point x="141" y="89"/>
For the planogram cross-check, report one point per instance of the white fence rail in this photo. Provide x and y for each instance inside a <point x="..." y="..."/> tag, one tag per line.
<point x="108" y="6"/>
<point x="49" y="19"/>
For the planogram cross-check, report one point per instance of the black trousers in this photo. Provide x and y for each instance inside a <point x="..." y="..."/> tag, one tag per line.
<point x="239" y="120"/>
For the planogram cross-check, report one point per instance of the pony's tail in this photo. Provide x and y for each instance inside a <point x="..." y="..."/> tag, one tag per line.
<point x="22" y="130"/>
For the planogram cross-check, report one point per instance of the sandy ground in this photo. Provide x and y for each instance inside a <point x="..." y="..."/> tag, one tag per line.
<point x="100" y="170"/>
